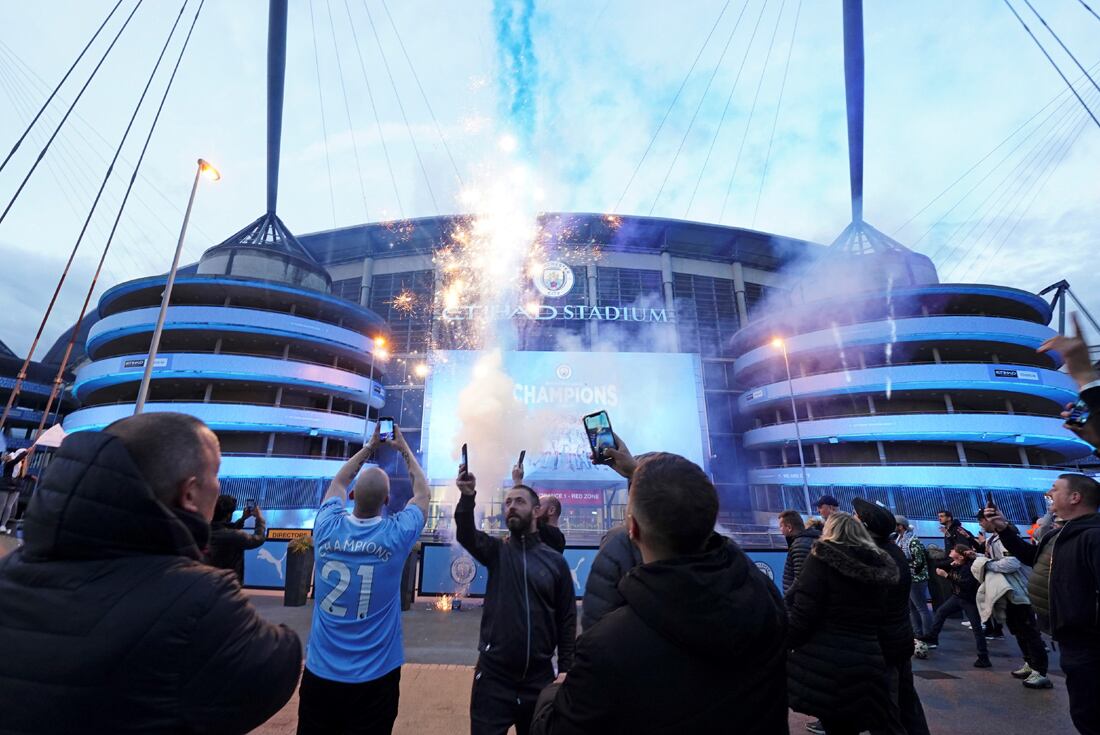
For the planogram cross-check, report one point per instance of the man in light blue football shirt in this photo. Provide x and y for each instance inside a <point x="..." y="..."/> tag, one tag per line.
<point x="352" y="679"/>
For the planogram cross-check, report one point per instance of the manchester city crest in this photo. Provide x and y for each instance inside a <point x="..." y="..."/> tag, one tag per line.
<point x="463" y="571"/>
<point x="766" y="570"/>
<point x="554" y="279"/>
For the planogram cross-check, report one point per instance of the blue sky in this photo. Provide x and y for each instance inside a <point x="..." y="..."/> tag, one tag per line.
<point x="582" y="87"/>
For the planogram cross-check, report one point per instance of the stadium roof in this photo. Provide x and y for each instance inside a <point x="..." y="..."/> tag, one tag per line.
<point x="611" y="232"/>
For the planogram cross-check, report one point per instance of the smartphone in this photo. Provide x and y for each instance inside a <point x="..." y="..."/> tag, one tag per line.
<point x="522" y="456"/>
<point x="464" y="462"/>
<point x="1079" y="414"/>
<point x="600" y="436"/>
<point x="989" y="500"/>
<point x="249" y="506"/>
<point x="385" y="428"/>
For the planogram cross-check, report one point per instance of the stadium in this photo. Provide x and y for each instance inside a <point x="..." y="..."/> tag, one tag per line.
<point x="919" y="394"/>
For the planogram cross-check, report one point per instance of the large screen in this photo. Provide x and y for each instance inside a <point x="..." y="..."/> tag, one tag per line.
<point x="506" y="401"/>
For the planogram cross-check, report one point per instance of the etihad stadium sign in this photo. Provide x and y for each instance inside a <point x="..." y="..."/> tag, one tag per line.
<point x="554" y="280"/>
<point x="569" y="312"/>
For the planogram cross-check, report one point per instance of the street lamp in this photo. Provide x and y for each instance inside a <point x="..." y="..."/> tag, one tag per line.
<point x="204" y="168"/>
<point x="778" y="343"/>
<point x="377" y="351"/>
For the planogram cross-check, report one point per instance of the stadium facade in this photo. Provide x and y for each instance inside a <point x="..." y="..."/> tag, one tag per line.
<point x="923" y="395"/>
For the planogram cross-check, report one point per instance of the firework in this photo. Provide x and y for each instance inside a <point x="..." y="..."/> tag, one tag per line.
<point x="404" y="303"/>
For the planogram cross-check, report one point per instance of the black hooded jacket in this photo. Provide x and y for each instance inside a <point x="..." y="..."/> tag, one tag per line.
<point x="836" y="607"/>
<point x="110" y="624"/>
<point x="617" y="556"/>
<point x="530" y="605"/>
<point x="697" y="648"/>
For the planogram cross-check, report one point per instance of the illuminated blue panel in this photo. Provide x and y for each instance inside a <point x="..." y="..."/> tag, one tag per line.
<point x="949" y="476"/>
<point x="262" y="466"/>
<point x="448" y="569"/>
<point x="129" y="368"/>
<point x="227" y="319"/>
<point x="916" y="329"/>
<point x="231" y="417"/>
<point x="1050" y="384"/>
<point x="1029" y="431"/>
<point x="653" y="401"/>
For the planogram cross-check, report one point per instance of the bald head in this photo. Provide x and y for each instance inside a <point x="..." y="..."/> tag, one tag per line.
<point x="372" y="490"/>
<point x="550" y="509"/>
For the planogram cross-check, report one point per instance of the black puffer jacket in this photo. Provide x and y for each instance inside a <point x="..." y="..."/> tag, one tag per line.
<point x="697" y="648"/>
<point x="798" y="548"/>
<point x="617" y="556"/>
<point x="110" y="624"/>
<point x="836" y="668"/>
<point x="530" y="605"/>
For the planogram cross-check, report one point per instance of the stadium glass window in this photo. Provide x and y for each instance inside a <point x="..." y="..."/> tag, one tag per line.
<point x="706" y="313"/>
<point x="628" y="287"/>
<point x="347" y="288"/>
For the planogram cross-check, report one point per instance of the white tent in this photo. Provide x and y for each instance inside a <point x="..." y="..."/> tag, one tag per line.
<point x="51" y="437"/>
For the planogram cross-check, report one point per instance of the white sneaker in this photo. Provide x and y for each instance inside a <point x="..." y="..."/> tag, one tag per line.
<point x="1023" y="672"/>
<point x="1038" y="681"/>
<point x="966" y="623"/>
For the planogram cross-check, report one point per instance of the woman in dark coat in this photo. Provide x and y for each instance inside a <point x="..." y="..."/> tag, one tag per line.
<point x="836" y="670"/>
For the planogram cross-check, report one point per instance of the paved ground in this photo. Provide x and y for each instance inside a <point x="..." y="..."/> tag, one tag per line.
<point x="435" y="684"/>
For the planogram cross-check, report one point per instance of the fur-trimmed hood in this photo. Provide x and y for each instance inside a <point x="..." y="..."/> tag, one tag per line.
<point x="863" y="564"/>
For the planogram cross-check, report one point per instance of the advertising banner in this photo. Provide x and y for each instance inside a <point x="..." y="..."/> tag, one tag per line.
<point x="447" y="570"/>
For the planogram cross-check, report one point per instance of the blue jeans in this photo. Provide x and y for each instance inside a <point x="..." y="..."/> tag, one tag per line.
<point x="952" y="605"/>
<point x="918" y="609"/>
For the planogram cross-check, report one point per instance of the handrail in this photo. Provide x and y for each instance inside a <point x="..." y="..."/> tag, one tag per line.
<point x="913" y="463"/>
<point x="871" y="319"/>
<point x="223" y="403"/>
<point x="859" y="368"/>
<point x="277" y="358"/>
<point x="902" y="413"/>
<point x="230" y="306"/>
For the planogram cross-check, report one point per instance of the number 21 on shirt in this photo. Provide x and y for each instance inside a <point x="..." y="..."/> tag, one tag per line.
<point x="342" y="572"/>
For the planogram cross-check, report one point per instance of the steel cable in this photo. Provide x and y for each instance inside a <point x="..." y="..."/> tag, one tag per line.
<point x="57" y="88"/>
<point x="88" y="81"/>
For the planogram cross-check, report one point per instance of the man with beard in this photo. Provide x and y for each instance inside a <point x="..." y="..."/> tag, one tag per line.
<point x="530" y="610"/>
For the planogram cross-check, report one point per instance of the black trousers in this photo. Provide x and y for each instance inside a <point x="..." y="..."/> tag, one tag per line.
<point x="497" y="702"/>
<point x="1021" y="624"/>
<point x="907" y="713"/>
<point x="327" y="707"/>
<point x="1081" y="665"/>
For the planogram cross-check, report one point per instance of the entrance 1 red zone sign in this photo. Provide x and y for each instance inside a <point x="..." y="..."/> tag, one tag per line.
<point x="575" y="497"/>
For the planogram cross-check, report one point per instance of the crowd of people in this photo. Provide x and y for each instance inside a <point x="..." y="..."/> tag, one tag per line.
<point x="123" y="609"/>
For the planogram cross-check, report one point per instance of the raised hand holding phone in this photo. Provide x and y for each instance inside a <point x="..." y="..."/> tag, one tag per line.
<point x="467" y="483"/>
<point x="517" y="471"/>
<point x="385" y="428"/>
